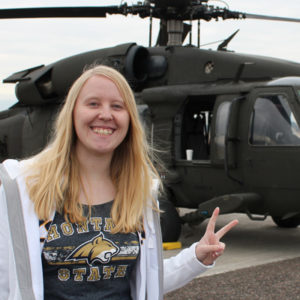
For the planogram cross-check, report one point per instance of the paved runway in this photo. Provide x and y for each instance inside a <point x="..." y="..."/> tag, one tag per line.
<point x="261" y="261"/>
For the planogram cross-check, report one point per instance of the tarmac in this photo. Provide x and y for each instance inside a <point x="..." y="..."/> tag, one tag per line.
<point x="273" y="281"/>
<point x="261" y="261"/>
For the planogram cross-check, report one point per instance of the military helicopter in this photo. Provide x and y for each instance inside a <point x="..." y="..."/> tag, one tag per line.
<point x="227" y="124"/>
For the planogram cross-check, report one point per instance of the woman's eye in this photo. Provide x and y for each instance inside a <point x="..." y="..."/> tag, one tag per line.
<point x="93" y="104"/>
<point x="117" y="106"/>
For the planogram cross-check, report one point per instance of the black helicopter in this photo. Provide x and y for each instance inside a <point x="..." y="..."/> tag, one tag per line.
<point x="228" y="124"/>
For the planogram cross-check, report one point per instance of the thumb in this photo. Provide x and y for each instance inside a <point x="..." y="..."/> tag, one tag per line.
<point x="203" y="250"/>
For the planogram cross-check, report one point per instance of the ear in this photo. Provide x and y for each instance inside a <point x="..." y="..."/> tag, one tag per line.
<point x="98" y="239"/>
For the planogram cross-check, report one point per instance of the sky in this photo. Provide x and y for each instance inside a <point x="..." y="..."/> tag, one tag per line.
<point x="26" y="43"/>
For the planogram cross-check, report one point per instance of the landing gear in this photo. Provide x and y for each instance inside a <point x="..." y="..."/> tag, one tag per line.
<point x="290" y="222"/>
<point x="170" y="221"/>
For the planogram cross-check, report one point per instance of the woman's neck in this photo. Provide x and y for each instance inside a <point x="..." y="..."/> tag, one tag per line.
<point x="94" y="171"/>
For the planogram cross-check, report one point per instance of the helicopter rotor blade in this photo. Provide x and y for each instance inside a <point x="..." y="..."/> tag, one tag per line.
<point x="271" y="18"/>
<point x="60" y="12"/>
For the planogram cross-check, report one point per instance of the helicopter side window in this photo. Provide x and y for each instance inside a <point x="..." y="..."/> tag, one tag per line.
<point x="273" y="122"/>
<point x="222" y="118"/>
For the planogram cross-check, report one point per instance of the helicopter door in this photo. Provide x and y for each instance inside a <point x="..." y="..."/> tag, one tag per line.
<point x="270" y="146"/>
<point x="223" y="138"/>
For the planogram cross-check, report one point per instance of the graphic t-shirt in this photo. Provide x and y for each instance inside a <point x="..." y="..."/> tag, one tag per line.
<point x="86" y="261"/>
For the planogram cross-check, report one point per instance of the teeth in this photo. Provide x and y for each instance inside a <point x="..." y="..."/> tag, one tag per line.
<point x="103" y="131"/>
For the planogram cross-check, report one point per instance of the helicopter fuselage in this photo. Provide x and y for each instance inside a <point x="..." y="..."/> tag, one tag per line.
<point x="239" y="114"/>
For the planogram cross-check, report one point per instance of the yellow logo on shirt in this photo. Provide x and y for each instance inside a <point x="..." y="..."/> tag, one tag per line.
<point x="97" y="249"/>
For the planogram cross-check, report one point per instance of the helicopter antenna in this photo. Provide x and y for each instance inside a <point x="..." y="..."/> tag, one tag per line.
<point x="150" y="29"/>
<point x="224" y="44"/>
<point x="198" y="35"/>
<point x="191" y="24"/>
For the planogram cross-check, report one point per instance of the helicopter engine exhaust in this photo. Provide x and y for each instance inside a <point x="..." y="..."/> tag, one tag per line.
<point x="140" y="65"/>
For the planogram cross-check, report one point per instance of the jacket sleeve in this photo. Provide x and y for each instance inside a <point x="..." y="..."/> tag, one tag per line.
<point x="4" y="247"/>
<point x="182" y="268"/>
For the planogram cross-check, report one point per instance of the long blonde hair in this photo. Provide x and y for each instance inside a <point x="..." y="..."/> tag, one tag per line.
<point x="54" y="182"/>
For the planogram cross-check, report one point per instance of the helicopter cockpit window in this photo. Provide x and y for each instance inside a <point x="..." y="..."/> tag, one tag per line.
<point x="273" y="122"/>
<point x="222" y="118"/>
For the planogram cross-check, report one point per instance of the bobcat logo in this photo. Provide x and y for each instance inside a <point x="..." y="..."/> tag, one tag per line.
<point x="97" y="248"/>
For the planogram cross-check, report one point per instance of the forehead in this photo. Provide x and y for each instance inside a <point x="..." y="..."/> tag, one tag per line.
<point x="99" y="85"/>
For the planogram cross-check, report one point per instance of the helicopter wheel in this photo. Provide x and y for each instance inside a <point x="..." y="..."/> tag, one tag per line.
<point x="287" y="222"/>
<point x="170" y="221"/>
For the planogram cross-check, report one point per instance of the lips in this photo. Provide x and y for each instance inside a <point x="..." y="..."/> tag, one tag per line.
<point x="103" y="131"/>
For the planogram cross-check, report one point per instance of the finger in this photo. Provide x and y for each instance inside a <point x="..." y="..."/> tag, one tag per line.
<point x="205" y="249"/>
<point x="213" y="219"/>
<point x="222" y="249"/>
<point x="215" y="255"/>
<point x="226" y="228"/>
<point x="218" y="253"/>
<point x="205" y="252"/>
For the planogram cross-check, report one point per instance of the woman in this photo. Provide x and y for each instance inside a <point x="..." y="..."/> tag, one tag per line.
<point x="93" y="192"/>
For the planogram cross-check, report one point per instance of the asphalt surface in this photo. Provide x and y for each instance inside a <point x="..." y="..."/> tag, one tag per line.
<point x="261" y="261"/>
<point x="280" y="280"/>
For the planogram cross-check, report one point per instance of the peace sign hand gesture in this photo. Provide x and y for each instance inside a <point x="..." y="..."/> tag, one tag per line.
<point x="209" y="248"/>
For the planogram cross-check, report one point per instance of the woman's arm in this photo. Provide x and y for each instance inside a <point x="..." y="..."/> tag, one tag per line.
<point x="182" y="268"/>
<point x="4" y="247"/>
<point x="196" y="259"/>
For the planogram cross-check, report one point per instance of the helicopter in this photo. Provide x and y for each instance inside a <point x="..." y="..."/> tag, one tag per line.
<point x="227" y="124"/>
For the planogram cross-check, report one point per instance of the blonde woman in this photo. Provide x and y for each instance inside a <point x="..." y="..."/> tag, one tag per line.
<point x="90" y="210"/>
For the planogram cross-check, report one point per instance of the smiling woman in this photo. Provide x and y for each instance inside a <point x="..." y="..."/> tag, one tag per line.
<point x="100" y="100"/>
<point x="94" y="193"/>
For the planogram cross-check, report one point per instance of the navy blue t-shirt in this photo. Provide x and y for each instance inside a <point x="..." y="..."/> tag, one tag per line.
<point x="85" y="261"/>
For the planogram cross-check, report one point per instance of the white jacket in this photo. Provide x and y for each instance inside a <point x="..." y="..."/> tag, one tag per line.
<point x="151" y="277"/>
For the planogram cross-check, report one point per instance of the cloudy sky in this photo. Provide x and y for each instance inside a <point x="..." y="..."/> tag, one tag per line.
<point x="27" y="43"/>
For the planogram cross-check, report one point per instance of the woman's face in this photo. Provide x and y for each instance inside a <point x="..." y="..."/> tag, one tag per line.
<point x="100" y="117"/>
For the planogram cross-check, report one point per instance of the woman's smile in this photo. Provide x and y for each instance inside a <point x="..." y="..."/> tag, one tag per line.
<point x="103" y="131"/>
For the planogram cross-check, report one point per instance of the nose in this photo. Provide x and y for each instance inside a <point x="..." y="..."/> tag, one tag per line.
<point x="105" y="114"/>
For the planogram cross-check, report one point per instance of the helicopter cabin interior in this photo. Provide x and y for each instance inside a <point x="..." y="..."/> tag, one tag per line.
<point x="192" y="127"/>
